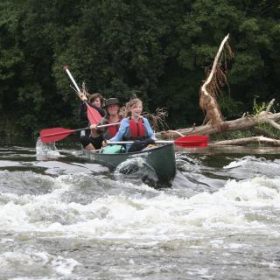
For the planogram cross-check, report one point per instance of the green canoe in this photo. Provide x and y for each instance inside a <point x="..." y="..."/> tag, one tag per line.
<point x="161" y="159"/>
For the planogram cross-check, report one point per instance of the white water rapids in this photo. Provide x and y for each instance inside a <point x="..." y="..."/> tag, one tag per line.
<point x="68" y="219"/>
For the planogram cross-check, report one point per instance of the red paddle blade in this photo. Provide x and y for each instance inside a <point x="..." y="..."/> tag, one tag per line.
<point x="54" y="134"/>
<point x="192" y="141"/>
<point x="93" y="116"/>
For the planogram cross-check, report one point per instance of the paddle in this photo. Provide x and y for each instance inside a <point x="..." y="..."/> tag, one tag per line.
<point x="55" y="134"/>
<point x="184" y="141"/>
<point x="93" y="115"/>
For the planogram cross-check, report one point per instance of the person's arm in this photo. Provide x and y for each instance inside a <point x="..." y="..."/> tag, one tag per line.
<point x="83" y="111"/>
<point x="121" y="132"/>
<point x="102" y="129"/>
<point x="150" y="132"/>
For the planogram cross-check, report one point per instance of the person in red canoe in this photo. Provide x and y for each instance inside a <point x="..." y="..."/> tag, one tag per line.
<point x="134" y="127"/>
<point x="89" y="139"/>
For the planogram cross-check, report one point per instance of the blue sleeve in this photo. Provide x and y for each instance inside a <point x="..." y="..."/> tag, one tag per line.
<point x="121" y="132"/>
<point x="150" y="132"/>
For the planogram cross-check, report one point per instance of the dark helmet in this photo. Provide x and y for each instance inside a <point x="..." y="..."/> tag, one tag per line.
<point x="112" y="101"/>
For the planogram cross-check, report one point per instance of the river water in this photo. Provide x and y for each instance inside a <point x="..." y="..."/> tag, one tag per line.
<point x="65" y="218"/>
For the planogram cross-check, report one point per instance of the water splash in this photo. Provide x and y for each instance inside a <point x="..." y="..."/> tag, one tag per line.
<point x="28" y="260"/>
<point x="46" y="151"/>
<point x="136" y="169"/>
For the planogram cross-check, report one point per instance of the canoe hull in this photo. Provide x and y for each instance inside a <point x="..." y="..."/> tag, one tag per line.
<point x="161" y="159"/>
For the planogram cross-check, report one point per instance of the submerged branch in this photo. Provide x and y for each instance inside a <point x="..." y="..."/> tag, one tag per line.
<point x="249" y="140"/>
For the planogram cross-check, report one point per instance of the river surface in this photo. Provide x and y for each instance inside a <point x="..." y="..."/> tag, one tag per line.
<point x="65" y="218"/>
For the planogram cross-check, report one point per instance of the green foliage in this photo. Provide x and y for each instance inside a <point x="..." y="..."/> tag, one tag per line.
<point x="229" y="107"/>
<point x="258" y="107"/>
<point x="229" y="135"/>
<point x="158" y="50"/>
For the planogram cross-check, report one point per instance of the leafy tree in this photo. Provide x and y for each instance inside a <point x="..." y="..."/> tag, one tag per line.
<point x="159" y="50"/>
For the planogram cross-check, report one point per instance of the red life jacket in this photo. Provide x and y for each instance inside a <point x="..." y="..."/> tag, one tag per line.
<point x="137" y="129"/>
<point x="112" y="130"/>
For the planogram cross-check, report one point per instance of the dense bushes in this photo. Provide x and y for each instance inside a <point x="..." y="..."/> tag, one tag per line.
<point x="156" y="49"/>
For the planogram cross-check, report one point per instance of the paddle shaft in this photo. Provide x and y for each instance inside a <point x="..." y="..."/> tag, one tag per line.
<point x="49" y="133"/>
<point x="71" y="78"/>
<point x="131" y="142"/>
<point x="85" y="128"/>
<point x="184" y="141"/>
<point x="93" y="115"/>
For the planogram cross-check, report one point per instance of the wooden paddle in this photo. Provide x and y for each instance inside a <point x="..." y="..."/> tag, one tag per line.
<point x="184" y="141"/>
<point x="93" y="115"/>
<point x="55" y="134"/>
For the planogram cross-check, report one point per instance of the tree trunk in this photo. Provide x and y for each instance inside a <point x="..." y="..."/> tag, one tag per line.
<point x="243" y="123"/>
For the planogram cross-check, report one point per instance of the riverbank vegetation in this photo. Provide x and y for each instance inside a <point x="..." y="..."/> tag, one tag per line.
<point x="214" y="122"/>
<point x="159" y="50"/>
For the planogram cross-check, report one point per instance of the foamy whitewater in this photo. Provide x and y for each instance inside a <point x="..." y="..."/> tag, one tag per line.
<point x="65" y="218"/>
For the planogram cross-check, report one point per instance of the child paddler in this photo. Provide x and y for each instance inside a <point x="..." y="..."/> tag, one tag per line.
<point x="134" y="127"/>
<point x="89" y="138"/>
<point x="112" y="108"/>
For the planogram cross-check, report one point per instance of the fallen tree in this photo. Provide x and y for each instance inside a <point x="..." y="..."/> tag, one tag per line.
<point x="242" y="123"/>
<point x="214" y="122"/>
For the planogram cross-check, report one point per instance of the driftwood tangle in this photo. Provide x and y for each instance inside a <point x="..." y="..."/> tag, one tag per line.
<point x="210" y="89"/>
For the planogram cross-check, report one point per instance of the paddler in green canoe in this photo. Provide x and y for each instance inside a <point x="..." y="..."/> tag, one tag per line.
<point x="112" y="116"/>
<point x="134" y="127"/>
<point x="89" y="138"/>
